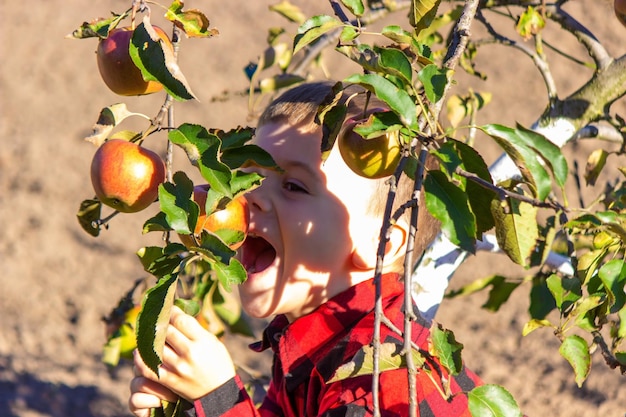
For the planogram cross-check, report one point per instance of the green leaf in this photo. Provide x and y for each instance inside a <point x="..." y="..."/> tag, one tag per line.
<point x="153" y="321"/>
<point x="499" y="294"/>
<point x="227" y="307"/>
<point x="394" y="62"/>
<point x="500" y="291"/>
<point x="533" y="325"/>
<point x="181" y="213"/>
<point x="434" y="80"/>
<point x="193" y="22"/>
<point x="247" y="155"/>
<point x="492" y="401"/>
<point x="439" y="23"/>
<point x="244" y="181"/>
<point x="348" y="34"/>
<point x="455" y="154"/>
<point x="525" y="158"/>
<point x="445" y="347"/>
<point x="230" y="274"/>
<point x="548" y="151"/>
<point x="384" y="61"/>
<point x="313" y="29"/>
<point x="149" y="255"/>
<point x="161" y="261"/>
<point x="109" y="118"/>
<point x="355" y="6"/>
<point x="194" y="140"/>
<point x="422" y="13"/>
<point x="595" y="165"/>
<point x="541" y="300"/>
<point x="398" y="100"/>
<point x="516" y="229"/>
<point x="377" y="124"/>
<point x="214" y="248"/>
<point x="530" y="23"/>
<point x="621" y="329"/>
<point x="584" y="306"/>
<point x="156" y="62"/>
<point x="575" y="350"/>
<point x="474" y="286"/>
<point x="449" y="204"/>
<point x="234" y="138"/>
<point x="332" y="118"/>
<point x="158" y="223"/>
<point x="97" y="28"/>
<point x="397" y="34"/>
<point x="276" y="82"/>
<point x="191" y="307"/>
<point x="363" y="361"/>
<point x="566" y="291"/>
<point x="203" y="149"/>
<point x="88" y="216"/>
<point x="289" y="11"/>
<point x="613" y="276"/>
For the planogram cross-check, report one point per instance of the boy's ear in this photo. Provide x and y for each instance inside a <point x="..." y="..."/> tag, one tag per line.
<point x="364" y="253"/>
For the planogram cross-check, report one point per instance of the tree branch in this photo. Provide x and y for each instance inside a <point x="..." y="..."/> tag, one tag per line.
<point x="540" y="63"/>
<point x="503" y="193"/>
<point x="595" y="49"/>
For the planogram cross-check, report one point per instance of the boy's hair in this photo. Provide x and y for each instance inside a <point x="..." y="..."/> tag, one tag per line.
<point x="301" y="103"/>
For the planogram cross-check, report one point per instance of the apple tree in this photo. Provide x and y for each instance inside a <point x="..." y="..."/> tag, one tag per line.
<point x="520" y="205"/>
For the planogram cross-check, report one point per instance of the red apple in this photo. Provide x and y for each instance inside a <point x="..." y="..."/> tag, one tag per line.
<point x="117" y="68"/>
<point x="229" y="223"/>
<point x="126" y="176"/>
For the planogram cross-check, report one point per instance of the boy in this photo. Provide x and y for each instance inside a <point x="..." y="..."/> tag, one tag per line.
<point x="310" y="256"/>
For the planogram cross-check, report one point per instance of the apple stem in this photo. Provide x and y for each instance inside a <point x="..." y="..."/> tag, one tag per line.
<point x="104" y="221"/>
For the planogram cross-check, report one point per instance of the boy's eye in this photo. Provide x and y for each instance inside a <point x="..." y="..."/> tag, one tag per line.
<point x="294" y="187"/>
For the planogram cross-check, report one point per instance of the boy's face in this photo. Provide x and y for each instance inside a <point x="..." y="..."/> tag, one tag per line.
<point x="309" y="226"/>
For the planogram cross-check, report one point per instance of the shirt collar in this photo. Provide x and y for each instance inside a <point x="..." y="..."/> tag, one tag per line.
<point x="330" y="321"/>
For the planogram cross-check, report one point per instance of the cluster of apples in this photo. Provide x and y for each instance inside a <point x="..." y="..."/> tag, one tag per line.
<point x="125" y="175"/>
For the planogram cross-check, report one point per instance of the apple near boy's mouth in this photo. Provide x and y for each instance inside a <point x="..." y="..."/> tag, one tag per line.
<point x="257" y="254"/>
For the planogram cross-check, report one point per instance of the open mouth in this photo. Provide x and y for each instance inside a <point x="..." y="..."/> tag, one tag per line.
<point x="257" y="254"/>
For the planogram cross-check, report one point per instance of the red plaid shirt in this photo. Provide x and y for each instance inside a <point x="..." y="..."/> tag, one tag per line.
<point x="308" y="351"/>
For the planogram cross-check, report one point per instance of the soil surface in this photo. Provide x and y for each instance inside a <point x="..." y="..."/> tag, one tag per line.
<point x="57" y="282"/>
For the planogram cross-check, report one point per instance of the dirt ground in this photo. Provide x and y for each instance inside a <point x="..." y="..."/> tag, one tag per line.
<point x="57" y="282"/>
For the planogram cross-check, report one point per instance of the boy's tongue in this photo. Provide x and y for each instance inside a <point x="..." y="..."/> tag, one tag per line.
<point x="258" y="254"/>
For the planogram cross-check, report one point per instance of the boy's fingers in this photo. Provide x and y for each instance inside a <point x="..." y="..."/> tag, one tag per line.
<point x="151" y="390"/>
<point x="140" y="404"/>
<point x="185" y="323"/>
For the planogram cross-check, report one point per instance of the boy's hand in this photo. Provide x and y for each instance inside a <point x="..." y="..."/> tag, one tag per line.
<point x="146" y="395"/>
<point x="195" y="362"/>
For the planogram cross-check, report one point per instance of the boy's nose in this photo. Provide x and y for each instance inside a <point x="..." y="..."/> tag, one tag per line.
<point x="258" y="200"/>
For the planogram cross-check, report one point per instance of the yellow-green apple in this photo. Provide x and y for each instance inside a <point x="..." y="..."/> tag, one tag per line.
<point x="370" y="158"/>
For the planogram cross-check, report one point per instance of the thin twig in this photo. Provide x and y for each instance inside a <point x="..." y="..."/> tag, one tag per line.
<point x="409" y="315"/>
<point x="538" y="60"/>
<point x="595" y="49"/>
<point x="503" y="193"/>
<point x="606" y="352"/>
